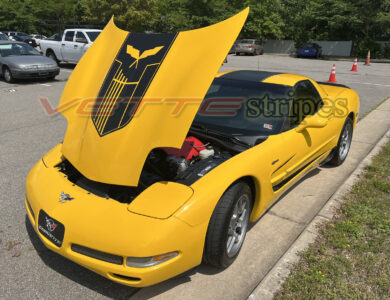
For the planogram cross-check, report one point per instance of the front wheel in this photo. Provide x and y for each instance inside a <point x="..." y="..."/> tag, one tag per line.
<point x="344" y="144"/>
<point x="228" y="226"/>
<point x="7" y="75"/>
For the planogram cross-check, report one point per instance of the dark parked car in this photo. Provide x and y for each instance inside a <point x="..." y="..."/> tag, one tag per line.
<point x="3" y="37"/>
<point x="310" y="50"/>
<point x="20" y="60"/>
<point x="25" y="39"/>
<point x="11" y="34"/>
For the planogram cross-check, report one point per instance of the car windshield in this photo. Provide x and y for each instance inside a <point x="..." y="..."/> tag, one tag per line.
<point x="93" y="35"/>
<point x="56" y="37"/>
<point x="238" y="107"/>
<point x="3" y="37"/>
<point x="247" y="42"/>
<point x="17" y="49"/>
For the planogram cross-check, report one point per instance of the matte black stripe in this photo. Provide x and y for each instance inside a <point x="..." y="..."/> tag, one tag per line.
<point x="129" y="78"/>
<point x="288" y="179"/>
<point x="282" y="165"/>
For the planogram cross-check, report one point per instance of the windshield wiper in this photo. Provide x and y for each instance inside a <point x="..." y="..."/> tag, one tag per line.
<point x="211" y="132"/>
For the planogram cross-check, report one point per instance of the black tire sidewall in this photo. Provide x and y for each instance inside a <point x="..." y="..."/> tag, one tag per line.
<point x="215" y="244"/>
<point x="52" y="56"/>
<point x="336" y="159"/>
<point x="6" y="69"/>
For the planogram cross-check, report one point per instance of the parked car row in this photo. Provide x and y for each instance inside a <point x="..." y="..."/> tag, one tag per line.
<point x="31" y="39"/>
<point x="19" y="59"/>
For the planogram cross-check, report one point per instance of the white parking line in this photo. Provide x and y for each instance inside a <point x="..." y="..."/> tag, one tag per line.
<point x="65" y="70"/>
<point x="45" y="84"/>
<point x="368" y="83"/>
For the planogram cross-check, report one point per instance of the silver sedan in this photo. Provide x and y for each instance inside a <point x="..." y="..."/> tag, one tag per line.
<point x="21" y="61"/>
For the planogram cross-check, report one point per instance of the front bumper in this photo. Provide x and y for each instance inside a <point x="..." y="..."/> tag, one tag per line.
<point x="245" y="50"/>
<point x="107" y="227"/>
<point x="34" y="73"/>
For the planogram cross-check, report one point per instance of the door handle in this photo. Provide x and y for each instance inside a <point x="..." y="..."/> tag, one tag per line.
<point x="75" y="46"/>
<point x="63" y="44"/>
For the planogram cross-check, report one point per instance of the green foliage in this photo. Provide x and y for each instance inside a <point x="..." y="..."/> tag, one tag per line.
<point x="361" y="21"/>
<point x="350" y="258"/>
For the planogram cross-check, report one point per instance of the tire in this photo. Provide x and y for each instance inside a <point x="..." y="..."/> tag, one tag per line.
<point x="228" y="226"/>
<point x="51" y="55"/>
<point x="7" y="75"/>
<point x="343" y="145"/>
<point x="237" y="53"/>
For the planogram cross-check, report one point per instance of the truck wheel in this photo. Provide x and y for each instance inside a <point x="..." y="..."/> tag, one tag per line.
<point x="7" y="75"/>
<point x="51" y="55"/>
<point x="228" y="226"/>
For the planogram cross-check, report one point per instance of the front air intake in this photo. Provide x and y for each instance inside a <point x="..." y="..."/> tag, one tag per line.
<point x="111" y="258"/>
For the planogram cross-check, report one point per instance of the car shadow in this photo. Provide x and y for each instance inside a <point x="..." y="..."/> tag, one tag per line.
<point x="29" y="81"/>
<point x="76" y="272"/>
<point x="99" y="283"/>
<point x="291" y="189"/>
<point x="114" y="290"/>
<point x="67" y="66"/>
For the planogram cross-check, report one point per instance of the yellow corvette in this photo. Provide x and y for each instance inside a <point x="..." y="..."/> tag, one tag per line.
<point x="173" y="160"/>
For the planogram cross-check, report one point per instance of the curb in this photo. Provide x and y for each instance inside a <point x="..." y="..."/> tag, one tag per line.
<point x="274" y="279"/>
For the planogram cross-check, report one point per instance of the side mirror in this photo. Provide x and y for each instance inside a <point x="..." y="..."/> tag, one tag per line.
<point x="81" y="40"/>
<point x="311" y="122"/>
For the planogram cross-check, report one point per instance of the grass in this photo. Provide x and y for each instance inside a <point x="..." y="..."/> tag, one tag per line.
<point x="350" y="259"/>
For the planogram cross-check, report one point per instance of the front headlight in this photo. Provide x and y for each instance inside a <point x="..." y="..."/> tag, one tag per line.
<point x="144" y="262"/>
<point x="29" y="67"/>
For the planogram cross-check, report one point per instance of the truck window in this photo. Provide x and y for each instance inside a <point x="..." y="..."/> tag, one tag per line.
<point x="69" y="36"/>
<point x="80" y="35"/>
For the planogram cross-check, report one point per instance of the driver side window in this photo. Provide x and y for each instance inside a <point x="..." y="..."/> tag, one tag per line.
<point x="306" y="101"/>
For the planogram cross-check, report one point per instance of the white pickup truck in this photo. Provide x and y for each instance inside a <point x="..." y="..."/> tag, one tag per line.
<point x="70" y="46"/>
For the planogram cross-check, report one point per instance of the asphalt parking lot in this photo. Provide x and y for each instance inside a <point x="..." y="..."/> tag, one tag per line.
<point x="29" y="270"/>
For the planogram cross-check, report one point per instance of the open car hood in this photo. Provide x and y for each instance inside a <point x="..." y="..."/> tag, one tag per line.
<point x="136" y="92"/>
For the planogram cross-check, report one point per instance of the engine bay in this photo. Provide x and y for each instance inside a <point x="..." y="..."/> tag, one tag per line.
<point x="193" y="160"/>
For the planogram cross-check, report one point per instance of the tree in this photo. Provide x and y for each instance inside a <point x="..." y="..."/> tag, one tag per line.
<point x="132" y="15"/>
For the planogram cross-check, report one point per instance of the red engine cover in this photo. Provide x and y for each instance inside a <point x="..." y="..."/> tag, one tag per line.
<point x="191" y="148"/>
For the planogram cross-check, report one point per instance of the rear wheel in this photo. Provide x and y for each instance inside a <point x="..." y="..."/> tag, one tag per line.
<point x="228" y="226"/>
<point x="7" y="75"/>
<point x="51" y="55"/>
<point x="344" y="144"/>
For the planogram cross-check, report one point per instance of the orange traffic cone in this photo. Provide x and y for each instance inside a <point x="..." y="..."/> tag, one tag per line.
<point x="368" y="59"/>
<point x="354" y="67"/>
<point x="332" y="77"/>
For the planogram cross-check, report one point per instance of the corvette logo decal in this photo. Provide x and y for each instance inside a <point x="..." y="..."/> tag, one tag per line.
<point x="128" y="79"/>
<point x="50" y="224"/>
<point x="64" y="198"/>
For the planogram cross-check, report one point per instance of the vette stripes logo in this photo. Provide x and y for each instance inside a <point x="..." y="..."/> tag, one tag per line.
<point x="128" y="79"/>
